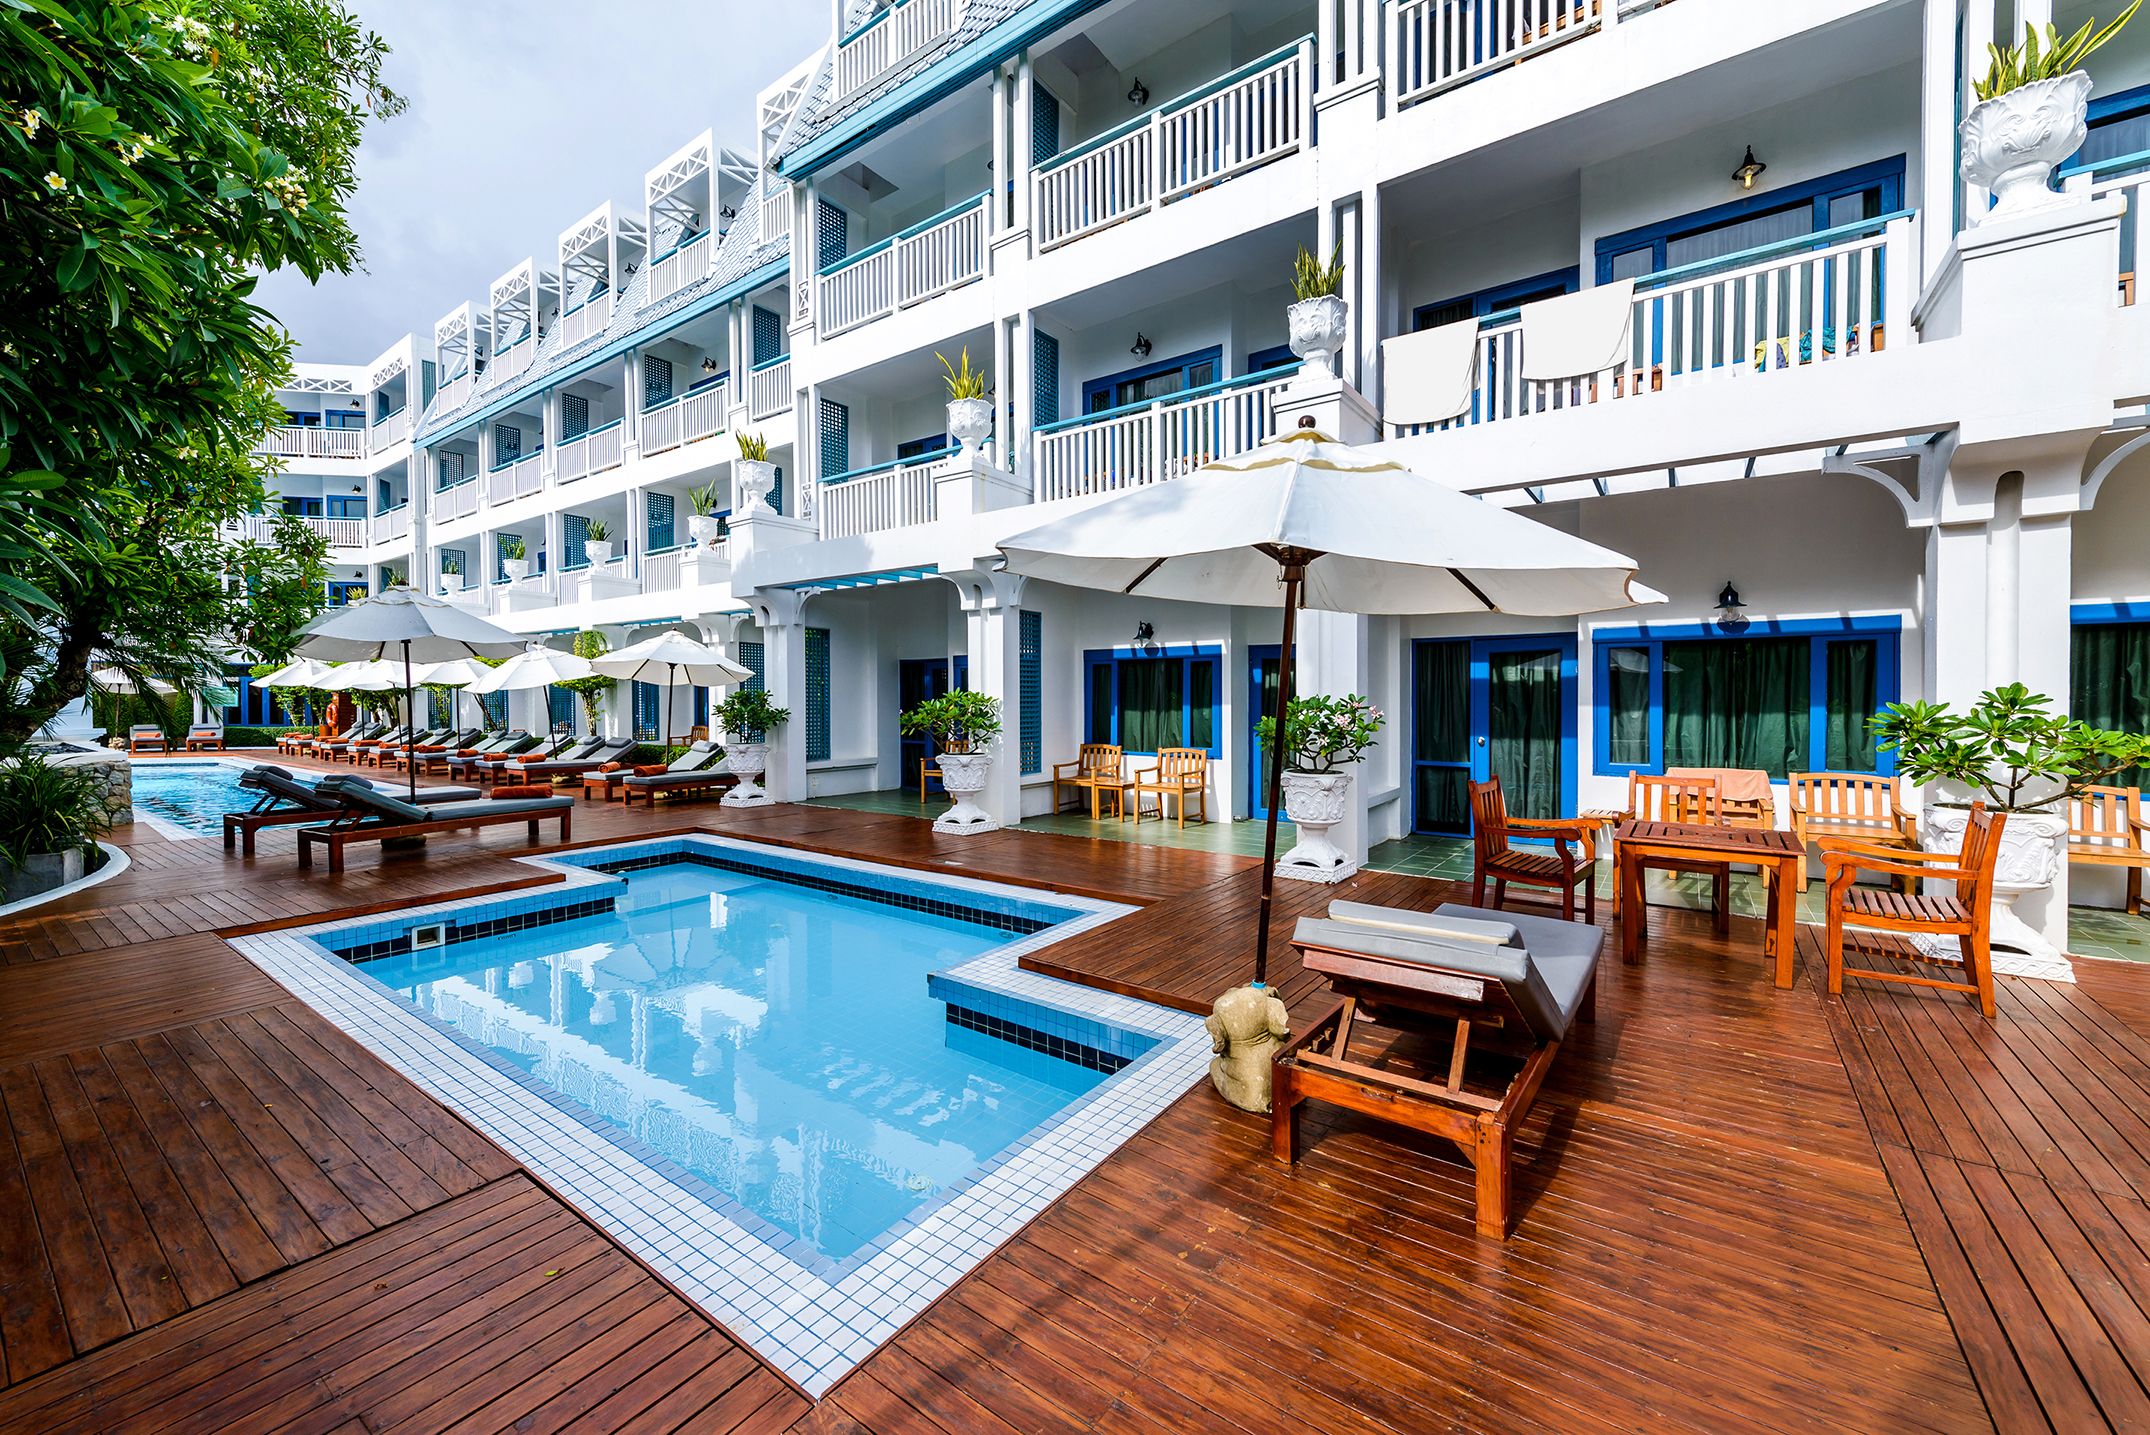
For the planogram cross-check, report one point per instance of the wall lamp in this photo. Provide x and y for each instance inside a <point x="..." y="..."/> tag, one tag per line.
<point x="1749" y="171"/>
<point x="1139" y="93"/>
<point x="709" y="366"/>
<point x="1141" y="347"/>
<point x="1729" y="606"/>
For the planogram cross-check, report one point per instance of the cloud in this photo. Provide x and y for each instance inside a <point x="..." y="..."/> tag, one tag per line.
<point x="523" y="118"/>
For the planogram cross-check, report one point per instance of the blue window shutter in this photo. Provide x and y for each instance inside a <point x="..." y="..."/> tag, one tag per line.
<point x="835" y="438"/>
<point x="574" y="416"/>
<point x="1044" y="124"/>
<point x="648" y="720"/>
<point x="768" y="335"/>
<point x="656" y="381"/>
<point x="817" y="694"/>
<point x="1030" y="663"/>
<point x="701" y="707"/>
<point x="500" y="551"/>
<point x="575" y="531"/>
<point x="833" y="235"/>
<point x="660" y="522"/>
<point x="507" y="443"/>
<point x="559" y="707"/>
<point x="750" y="658"/>
<point x="1045" y="378"/>
<point x="776" y="492"/>
<point x="452" y="555"/>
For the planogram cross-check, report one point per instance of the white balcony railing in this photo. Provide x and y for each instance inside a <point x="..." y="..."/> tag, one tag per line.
<point x="388" y="527"/>
<point x="390" y="429"/>
<point x="685" y="265"/>
<point x="873" y="500"/>
<point x="775" y="209"/>
<point x="931" y="257"/>
<point x="1819" y="299"/>
<point x="496" y="594"/>
<point x="512" y="360"/>
<point x="2123" y="175"/>
<point x="299" y="441"/>
<point x="1165" y="439"/>
<point x="769" y="388"/>
<point x="261" y="528"/>
<point x="591" y="316"/>
<point x="517" y="478"/>
<point x="454" y="393"/>
<point x="691" y="416"/>
<point x="889" y="40"/>
<point x="1253" y="116"/>
<point x="660" y="570"/>
<point x="460" y="501"/>
<point x="1436" y="45"/>
<point x="587" y="453"/>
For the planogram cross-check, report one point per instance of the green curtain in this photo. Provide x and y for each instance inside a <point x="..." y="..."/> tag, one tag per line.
<point x="1523" y="730"/>
<point x="1101" y="702"/>
<point x="1852" y="697"/>
<point x="1441" y="733"/>
<point x="1202" y="704"/>
<point x="2109" y="682"/>
<point x="1151" y="703"/>
<point x="1627" y="706"/>
<point x="1738" y="703"/>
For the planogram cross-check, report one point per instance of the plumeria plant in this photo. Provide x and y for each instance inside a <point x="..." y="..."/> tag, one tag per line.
<point x="2010" y="749"/>
<point x="1322" y="734"/>
<point x="748" y="714"/>
<point x="961" y="721"/>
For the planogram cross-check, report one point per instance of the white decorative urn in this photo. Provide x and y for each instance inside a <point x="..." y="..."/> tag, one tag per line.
<point x="517" y="569"/>
<point x="2011" y="143"/>
<point x="1314" y="802"/>
<point x="451" y="582"/>
<point x="747" y="761"/>
<point x="755" y="480"/>
<point x="600" y="553"/>
<point x="2032" y="848"/>
<point x="704" y="527"/>
<point x="970" y="423"/>
<point x="1318" y="329"/>
<point x="964" y="774"/>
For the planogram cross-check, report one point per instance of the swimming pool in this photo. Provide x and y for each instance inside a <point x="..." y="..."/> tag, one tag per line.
<point x="189" y="799"/>
<point x="812" y="1092"/>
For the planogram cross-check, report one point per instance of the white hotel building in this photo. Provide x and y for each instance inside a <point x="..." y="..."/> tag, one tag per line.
<point x="1910" y="445"/>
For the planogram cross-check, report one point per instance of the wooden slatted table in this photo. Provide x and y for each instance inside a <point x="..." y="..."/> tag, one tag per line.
<point x="1777" y="854"/>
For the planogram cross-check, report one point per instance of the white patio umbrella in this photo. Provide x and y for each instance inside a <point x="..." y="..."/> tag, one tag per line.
<point x="299" y="673"/>
<point x="112" y="680"/>
<point x="1345" y="529"/>
<point x="456" y="673"/>
<point x="406" y="624"/>
<point x="665" y="656"/>
<point x="537" y="666"/>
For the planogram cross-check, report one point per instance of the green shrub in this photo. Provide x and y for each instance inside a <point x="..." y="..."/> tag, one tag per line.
<point x="45" y="807"/>
<point x="257" y="736"/>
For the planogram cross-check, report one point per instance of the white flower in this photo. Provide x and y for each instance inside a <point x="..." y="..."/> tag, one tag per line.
<point x="54" y="183"/>
<point x="31" y="119"/>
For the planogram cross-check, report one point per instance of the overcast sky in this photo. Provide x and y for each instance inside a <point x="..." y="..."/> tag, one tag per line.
<point x="524" y="117"/>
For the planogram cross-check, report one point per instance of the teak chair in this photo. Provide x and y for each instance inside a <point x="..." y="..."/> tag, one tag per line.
<point x="205" y="736"/>
<point x="1967" y="916"/>
<point x="1181" y="772"/>
<point x="1679" y="799"/>
<point x="1099" y="767"/>
<point x="2106" y="827"/>
<point x="1558" y="870"/>
<point x="145" y="737"/>
<point x="1859" y="806"/>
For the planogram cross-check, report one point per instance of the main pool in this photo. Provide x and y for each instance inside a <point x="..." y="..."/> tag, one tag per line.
<point x="192" y="796"/>
<point x="776" y="1040"/>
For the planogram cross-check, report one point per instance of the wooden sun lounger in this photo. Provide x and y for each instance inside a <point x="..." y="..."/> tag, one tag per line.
<point x="373" y="816"/>
<point x="308" y="803"/>
<point x="1514" y="1001"/>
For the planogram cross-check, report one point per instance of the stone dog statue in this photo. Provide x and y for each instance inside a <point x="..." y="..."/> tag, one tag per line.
<point x="1244" y="1028"/>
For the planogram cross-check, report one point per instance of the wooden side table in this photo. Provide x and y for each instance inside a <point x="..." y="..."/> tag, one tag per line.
<point x="1777" y="854"/>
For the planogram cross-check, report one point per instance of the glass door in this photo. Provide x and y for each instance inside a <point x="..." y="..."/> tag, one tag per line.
<point x="918" y="680"/>
<point x="1265" y="672"/>
<point x="1441" y="736"/>
<point x="1523" y="721"/>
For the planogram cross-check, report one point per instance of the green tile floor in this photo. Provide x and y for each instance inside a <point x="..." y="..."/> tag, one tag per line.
<point x="2093" y="931"/>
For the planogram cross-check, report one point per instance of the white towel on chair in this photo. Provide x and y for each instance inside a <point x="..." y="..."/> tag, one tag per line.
<point x="1580" y="333"/>
<point x="1427" y="378"/>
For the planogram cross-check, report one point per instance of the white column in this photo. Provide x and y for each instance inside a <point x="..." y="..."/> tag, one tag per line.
<point x="1003" y="394"/>
<point x="996" y="209"/>
<point x="779" y="613"/>
<point x="1334" y="661"/>
<point x="1023" y="345"/>
<point x="1937" y="145"/>
<point x="993" y="633"/>
<point x="1371" y="288"/>
<point x="1977" y="34"/>
<point x="1026" y="186"/>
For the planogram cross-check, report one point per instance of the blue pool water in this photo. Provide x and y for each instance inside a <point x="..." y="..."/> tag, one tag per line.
<point x="776" y="1041"/>
<point x="191" y="795"/>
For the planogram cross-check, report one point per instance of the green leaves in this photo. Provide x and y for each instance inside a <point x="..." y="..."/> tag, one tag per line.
<point x="2010" y="748"/>
<point x="1324" y="733"/>
<point x="959" y="721"/>
<point x="747" y="713"/>
<point x="2025" y="64"/>
<point x="1311" y="279"/>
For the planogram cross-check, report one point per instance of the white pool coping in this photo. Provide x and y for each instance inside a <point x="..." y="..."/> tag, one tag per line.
<point x="812" y="1327"/>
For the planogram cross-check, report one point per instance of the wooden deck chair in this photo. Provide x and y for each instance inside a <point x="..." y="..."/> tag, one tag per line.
<point x="1098" y="768"/>
<point x="2106" y="827"/>
<point x="1967" y="916"/>
<point x="146" y="737"/>
<point x="1182" y="773"/>
<point x="1859" y="806"/>
<point x="1679" y="799"/>
<point x="205" y="737"/>
<point x="1559" y="868"/>
<point x="1489" y="983"/>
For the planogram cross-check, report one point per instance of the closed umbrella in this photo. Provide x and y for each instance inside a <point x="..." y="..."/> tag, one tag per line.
<point x="409" y="625"/>
<point x="666" y="656"/>
<point x="1346" y="529"/>
<point x="112" y="680"/>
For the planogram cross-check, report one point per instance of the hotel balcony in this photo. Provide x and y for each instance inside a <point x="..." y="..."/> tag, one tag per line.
<point x="389" y="429"/>
<point x="1139" y="444"/>
<point x="1436" y="45"/>
<point x="928" y="259"/>
<point x="888" y="40"/>
<point x="310" y="441"/>
<point x="261" y="528"/>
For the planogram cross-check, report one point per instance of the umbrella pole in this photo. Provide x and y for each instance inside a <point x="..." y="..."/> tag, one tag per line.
<point x="671" y="675"/>
<point x="410" y="721"/>
<point x="1294" y="576"/>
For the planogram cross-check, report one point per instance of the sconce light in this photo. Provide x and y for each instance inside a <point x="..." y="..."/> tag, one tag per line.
<point x="1728" y="608"/>
<point x="1141" y="347"/>
<point x="709" y="366"/>
<point x="629" y="268"/>
<point x="358" y="403"/>
<point x="726" y="214"/>
<point x="358" y="488"/>
<point x="1749" y="171"/>
<point x="1145" y="637"/>
<point x="1139" y="94"/>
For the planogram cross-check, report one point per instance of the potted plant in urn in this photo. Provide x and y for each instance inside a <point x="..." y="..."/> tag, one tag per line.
<point x="597" y="542"/>
<point x="756" y="476"/>
<point x="1318" y="320"/>
<point x="1322" y="736"/>
<point x="451" y="576"/>
<point x="2013" y="753"/>
<point x="962" y="725"/>
<point x="514" y="560"/>
<point x="704" y="527"/>
<point x="2030" y="116"/>
<point x="745" y="719"/>
<point x="970" y="412"/>
<point x="50" y="817"/>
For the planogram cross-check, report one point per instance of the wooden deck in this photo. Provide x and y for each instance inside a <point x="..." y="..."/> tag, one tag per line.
<point x="1740" y="1208"/>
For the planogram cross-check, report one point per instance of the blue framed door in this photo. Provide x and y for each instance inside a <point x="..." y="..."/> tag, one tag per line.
<point x="917" y="681"/>
<point x="1265" y="669"/>
<point x="1523" y="721"/>
<point x="1441" y="736"/>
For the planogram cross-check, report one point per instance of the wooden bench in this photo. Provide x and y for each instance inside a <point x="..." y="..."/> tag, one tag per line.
<point x="2106" y="828"/>
<point x="1098" y="768"/>
<point x="1860" y="806"/>
<point x="373" y="816"/>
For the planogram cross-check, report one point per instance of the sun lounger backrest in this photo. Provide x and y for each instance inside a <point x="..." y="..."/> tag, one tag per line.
<point x="694" y="757"/>
<point x="360" y="793"/>
<point x="266" y="778"/>
<point x="1510" y="967"/>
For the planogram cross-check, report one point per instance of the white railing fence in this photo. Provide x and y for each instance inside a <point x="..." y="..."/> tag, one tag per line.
<point x="692" y="416"/>
<point x="454" y="393"/>
<point x="588" y="453"/>
<point x="775" y="208"/>
<point x="1791" y="306"/>
<point x="688" y="264"/>
<point x="1164" y="440"/>
<point x="769" y="388"/>
<point x="399" y="520"/>
<point x="2129" y="187"/>
<point x="660" y="570"/>
<point x="890" y="39"/>
<point x="518" y="478"/>
<point x="458" y="502"/>
<point x="1437" y="44"/>
<point x="261" y="528"/>
<point x="589" y="317"/>
<point x="391" y="430"/>
<point x="512" y="360"/>
<point x="299" y="441"/>
<point x="864" y="289"/>
<point x="1251" y="117"/>
<point x="876" y="500"/>
<point x="930" y="258"/>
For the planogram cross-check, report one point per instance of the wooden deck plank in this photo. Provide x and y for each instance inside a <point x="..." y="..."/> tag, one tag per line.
<point x="90" y="1296"/>
<point x="33" y="1326"/>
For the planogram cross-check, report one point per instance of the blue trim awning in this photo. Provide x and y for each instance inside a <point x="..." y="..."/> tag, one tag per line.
<point x="865" y="580"/>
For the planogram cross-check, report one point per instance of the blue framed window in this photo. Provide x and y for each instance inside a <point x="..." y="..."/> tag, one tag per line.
<point x="1845" y="197"/>
<point x="1153" y="381"/>
<point x="1782" y="696"/>
<point x="648" y="711"/>
<point x="1499" y="298"/>
<point x="340" y="594"/>
<point x="452" y="555"/>
<point x="500" y="552"/>
<point x="920" y="447"/>
<point x="1030" y="683"/>
<point x="2119" y="126"/>
<point x="1146" y="699"/>
<point x="817" y="694"/>
<point x="2109" y="671"/>
<point x="1279" y="357"/>
<point x="303" y="507"/>
<point x="559" y="709"/>
<point x="660" y="508"/>
<point x="343" y="419"/>
<point x="351" y="505"/>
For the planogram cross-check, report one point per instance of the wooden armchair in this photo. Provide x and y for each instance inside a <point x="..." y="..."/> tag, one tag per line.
<point x="1181" y="772"/>
<point x="1857" y="806"/>
<point x="1966" y="916"/>
<point x="2106" y="827"/>
<point x="1679" y="798"/>
<point x="1560" y="869"/>
<point x="1098" y="768"/>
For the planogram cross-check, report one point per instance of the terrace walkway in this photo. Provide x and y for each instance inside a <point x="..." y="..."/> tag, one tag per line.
<point x="1740" y="1208"/>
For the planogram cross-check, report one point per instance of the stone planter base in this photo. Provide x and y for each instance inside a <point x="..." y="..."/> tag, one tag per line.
<point x="41" y="873"/>
<point x="964" y="775"/>
<point x="1314" y="802"/>
<point x="2032" y="849"/>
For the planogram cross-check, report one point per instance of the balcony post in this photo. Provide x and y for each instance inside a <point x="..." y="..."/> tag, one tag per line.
<point x="1024" y="161"/>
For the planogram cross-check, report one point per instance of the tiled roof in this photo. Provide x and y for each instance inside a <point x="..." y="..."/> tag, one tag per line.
<point x="741" y="253"/>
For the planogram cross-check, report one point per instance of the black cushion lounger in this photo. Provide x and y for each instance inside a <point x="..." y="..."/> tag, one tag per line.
<point x="613" y="750"/>
<point x="307" y="802"/>
<point x="373" y="816"/>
